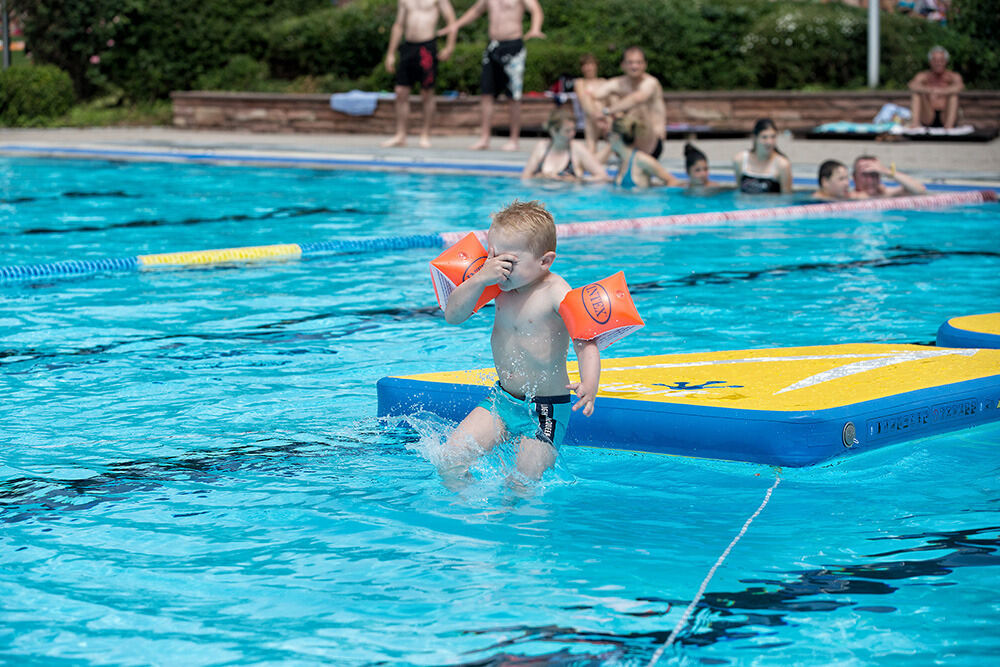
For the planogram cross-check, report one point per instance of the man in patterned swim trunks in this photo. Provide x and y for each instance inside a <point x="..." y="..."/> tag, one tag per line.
<point x="503" y="61"/>
<point x="417" y="21"/>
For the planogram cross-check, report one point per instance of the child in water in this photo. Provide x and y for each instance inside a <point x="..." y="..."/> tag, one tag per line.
<point x="696" y="166"/>
<point x="530" y="402"/>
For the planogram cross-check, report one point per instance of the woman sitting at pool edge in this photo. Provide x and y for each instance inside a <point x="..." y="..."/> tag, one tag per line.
<point x="763" y="168"/>
<point x="563" y="157"/>
<point x="637" y="167"/>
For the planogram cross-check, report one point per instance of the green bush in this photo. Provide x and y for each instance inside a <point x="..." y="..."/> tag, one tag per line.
<point x="30" y="94"/>
<point x="144" y="49"/>
<point x="977" y="56"/>
<point x="347" y="41"/>
<point x="241" y="73"/>
<point x="807" y="45"/>
<point x="148" y="48"/>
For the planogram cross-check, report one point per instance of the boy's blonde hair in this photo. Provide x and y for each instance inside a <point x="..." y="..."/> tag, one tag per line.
<point x="530" y="220"/>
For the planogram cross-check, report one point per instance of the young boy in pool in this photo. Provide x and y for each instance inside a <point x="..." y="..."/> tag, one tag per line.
<point x="530" y="402"/>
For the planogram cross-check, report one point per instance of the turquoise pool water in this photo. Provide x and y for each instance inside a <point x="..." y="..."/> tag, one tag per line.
<point x="192" y="473"/>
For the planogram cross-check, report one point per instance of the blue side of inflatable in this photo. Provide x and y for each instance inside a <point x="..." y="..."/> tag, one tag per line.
<point x="781" y="438"/>
<point x="950" y="336"/>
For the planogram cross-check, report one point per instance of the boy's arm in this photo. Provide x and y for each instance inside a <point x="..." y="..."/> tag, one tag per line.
<point x="535" y="9"/>
<point x="462" y="301"/>
<point x="589" y="359"/>
<point x="395" y="37"/>
<point x="449" y="17"/>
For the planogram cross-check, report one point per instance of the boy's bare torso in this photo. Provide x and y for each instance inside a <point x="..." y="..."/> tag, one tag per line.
<point x="506" y="19"/>
<point x="421" y="20"/>
<point x="530" y="341"/>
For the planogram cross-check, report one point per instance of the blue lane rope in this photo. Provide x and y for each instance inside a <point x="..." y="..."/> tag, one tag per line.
<point x="76" y="268"/>
<point x="289" y="251"/>
<point x="67" y="268"/>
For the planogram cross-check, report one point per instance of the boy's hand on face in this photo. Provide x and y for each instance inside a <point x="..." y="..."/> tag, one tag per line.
<point x="585" y="397"/>
<point x="496" y="268"/>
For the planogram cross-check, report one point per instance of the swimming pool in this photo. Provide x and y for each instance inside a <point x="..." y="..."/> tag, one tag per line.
<point x="192" y="472"/>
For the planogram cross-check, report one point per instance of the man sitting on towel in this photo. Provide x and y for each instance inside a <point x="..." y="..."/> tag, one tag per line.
<point x="934" y="93"/>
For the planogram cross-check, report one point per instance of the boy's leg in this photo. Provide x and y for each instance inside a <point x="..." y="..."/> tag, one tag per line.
<point x="479" y="432"/>
<point x="402" y="116"/>
<point x="427" y="95"/>
<point x="534" y="457"/>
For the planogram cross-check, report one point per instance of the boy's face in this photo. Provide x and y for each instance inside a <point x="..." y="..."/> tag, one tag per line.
<point x="838" y="184"/>
<point x="527" y="267"/>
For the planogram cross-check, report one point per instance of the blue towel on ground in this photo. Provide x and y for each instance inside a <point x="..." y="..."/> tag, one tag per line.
<point x="845" y="127"/>
<point x="357" y="102"/>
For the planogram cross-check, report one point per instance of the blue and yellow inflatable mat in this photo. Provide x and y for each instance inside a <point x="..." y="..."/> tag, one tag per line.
<point x="785" y="407"/>
<point x="971" y="331"/>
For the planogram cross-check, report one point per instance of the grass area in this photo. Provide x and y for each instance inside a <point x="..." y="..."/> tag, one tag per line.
<point x="98" y="113"/>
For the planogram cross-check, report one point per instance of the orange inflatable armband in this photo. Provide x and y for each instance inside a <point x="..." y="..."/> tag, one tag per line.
<point x="602" y="312"/>
<point x="455" y="265"/>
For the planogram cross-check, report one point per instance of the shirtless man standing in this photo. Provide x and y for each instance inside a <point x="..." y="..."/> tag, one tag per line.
<point x="934" y="98"/>
<point x="636" y="92"/>
<point x="417" y="20"/>
<point x="503" y="61"/>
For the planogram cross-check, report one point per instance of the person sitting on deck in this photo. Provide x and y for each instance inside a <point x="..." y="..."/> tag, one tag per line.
<point x="934" y="92"/>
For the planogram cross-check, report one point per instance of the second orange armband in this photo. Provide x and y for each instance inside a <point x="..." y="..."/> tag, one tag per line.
<point x="602" y="311"/>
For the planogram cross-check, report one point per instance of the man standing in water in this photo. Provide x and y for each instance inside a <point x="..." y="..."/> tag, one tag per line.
<point x="503" y="61"/>
<point x="417" y="20"/>
<point x="635" y="91"/>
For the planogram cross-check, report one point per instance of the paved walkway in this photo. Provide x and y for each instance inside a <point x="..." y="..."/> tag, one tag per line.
<point x="958" y="163"/>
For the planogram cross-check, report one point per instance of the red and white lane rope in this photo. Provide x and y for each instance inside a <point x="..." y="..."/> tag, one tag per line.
<point x="942" y="200"/>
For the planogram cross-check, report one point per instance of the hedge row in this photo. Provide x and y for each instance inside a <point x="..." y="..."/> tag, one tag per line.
<point x="147" y="48"/>
<point x="29" y="94"/>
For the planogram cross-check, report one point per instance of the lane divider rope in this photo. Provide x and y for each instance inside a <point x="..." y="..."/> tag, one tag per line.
<point x="293" y="251"/>
<point x="704" y="584"/>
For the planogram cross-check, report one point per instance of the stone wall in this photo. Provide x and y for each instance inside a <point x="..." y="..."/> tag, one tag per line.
<point x="720" y="110"/>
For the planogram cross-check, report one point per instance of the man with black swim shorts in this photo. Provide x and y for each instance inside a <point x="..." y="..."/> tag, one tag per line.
<point x="635" y="92"/>
<point x="934" y="92"/>
<point x="417" y="20"/>
<point x="503" y="60"/>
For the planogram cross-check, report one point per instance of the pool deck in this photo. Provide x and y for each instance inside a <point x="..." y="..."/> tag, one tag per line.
<point x="966" y="164"/>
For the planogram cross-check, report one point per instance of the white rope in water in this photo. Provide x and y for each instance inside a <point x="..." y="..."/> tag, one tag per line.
<point x="711" y="573"/>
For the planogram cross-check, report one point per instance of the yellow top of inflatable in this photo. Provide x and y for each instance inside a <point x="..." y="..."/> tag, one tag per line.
<point x="785" y="379"/>
<point x="988" y="323"/>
